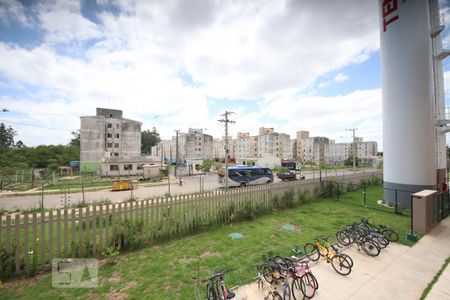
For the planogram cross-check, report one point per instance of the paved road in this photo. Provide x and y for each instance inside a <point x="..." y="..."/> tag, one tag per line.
<point x="191" y="184"/>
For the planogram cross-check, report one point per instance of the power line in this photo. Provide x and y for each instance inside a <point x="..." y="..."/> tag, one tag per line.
<point x="225" y="120"/>
<point x="36" y="126"/>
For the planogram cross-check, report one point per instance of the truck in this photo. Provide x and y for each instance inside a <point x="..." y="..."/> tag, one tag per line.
<point x="288" y="176"/>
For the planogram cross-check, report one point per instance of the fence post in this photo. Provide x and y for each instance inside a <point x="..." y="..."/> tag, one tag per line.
<point x="396" y="204"/>
<point x="411" y="236"/>
<point x="338" y="190"/>
<point x="364" y="192"/>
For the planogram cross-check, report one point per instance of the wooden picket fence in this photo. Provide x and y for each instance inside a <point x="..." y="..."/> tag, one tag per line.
<point x="29" y="242"/>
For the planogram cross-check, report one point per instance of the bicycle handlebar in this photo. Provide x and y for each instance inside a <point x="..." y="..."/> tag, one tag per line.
<point x="218" y="274"/>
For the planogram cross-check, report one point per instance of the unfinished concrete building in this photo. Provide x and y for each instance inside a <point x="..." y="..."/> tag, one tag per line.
<point x="111" y="144"/>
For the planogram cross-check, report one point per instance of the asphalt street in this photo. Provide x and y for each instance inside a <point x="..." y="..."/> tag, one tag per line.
<point x="191" y="184"/>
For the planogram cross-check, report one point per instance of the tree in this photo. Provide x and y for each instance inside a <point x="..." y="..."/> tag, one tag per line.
<point x="7" y="135"/>
<point x="349" y="161"/>
<point x="75" y="141"/>
<point x="148" y="140"/>
<point x="19" y="145"/>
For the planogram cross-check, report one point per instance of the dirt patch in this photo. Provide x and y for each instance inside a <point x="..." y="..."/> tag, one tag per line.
<point x="131" y="284"/>
<point x="209" y="254"/>
<point x="19" y="284"/>
<point x="185" y="261"/>
<point x="116" y="295"/>
<point x="114" y="278"/>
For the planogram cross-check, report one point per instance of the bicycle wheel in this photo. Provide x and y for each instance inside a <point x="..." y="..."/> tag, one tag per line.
<point x="343" y="238"/>
<point x="210" y="293"/>
<point x="280" y="261"/>
<point x="276" y="296"/>
<point x="267" y="272"/>
<point x="390" y="234"/>
<point x="370" y="248"/>
<point x="381" y="241"/>
<point x="308" y="285"/>
<point x="311" y="252"/>
<point x="341" y="264"/>
<point x="286" y="292"/>
<point x="296" y="288"/>
<point x="316" y="283"/>
<point x="350" y="260"/>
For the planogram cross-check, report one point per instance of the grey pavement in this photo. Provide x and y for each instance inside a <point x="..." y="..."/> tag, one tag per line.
<point x="399" y="272"/>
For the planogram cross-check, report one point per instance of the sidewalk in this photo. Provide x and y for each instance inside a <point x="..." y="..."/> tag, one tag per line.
<point x="399" y="272"/>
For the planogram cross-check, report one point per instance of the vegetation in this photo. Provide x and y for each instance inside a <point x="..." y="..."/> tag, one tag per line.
<point x="435" y="279"/>
<point x="168" y="270"/>
<point x="148" y="140"/>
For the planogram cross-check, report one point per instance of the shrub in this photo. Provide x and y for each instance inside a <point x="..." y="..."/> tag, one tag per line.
<point x="288" y="199"/>
<point x="111" y="255"/>
<point x="246" y="212"/>
<point x="351" y="187"/>
<point x="275" y="202"/>
<point x="127" y="235"/>
<point x="329" y="189"/>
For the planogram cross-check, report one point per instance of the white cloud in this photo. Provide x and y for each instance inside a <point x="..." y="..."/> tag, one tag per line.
<point x="340" y="77"/>
<point x="13" y="10"/>
<point x="63" y="22"/>
<point x="263" y="51"/>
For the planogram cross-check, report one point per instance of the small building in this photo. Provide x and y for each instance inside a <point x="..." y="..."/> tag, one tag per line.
<point x="127" y="165"/>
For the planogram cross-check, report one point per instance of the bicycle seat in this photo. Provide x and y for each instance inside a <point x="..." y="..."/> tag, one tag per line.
<point x="230" y="294"/>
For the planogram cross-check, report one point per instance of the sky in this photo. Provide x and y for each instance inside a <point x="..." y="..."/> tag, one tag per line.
<point x="291" y="65"/>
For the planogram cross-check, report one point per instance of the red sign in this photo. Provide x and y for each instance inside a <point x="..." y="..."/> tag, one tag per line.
<point x="388" y="9"/>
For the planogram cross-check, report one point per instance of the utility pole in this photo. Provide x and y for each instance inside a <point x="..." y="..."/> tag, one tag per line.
<point x="353" y="147"/>
<point x="176" y="153"/>
<point x="226" y="121"/>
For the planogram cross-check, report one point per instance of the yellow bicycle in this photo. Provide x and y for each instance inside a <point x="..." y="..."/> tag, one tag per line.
<point x="341" y="263"/>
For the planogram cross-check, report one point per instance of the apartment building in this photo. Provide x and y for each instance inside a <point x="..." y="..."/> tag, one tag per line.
<point x="193" y="145"/>
<point x="316" y="149"/>
<point x="219" y="149"/>
<point x="271" y="143"/>
<point x="246" y="145"/>
<point x="365" y="151"/>
<point x="111" y="144"/>
<point x="300" y="136"/>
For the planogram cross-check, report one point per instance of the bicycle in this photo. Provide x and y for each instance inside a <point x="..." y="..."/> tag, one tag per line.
<point x="390" y="234"/>
<point x="215" y="287"/>
<point x="351" y="234"/>
<point x="271" y="286"/>
<point x="303" y="282"/>
<point x="341" y="263"/>
<point x="379" y="239"/>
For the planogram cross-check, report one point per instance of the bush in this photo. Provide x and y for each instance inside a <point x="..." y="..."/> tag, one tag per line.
<point x="111" y="255"/>
<point x="246" y="212"/>
<point x="329" y="189"/>
<point x="288" y="199"/>
<point x="127" y="235"/>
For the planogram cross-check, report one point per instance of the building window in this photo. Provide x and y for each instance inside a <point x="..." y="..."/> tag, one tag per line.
<point x="109" y="135"/>
<point x="128" y="167"/>
<point x="114" y="167"/>
<point x="109" y="145"/>
<point x="139" y="167"/>
<point x="117" y="135"/>
<point x="116" y="154"/>
<point x="109" y="125"/>
<point x="116" y="145"/>
<point x="117" y="126"/>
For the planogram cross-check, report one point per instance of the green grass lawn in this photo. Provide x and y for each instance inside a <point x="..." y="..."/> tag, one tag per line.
<point x="169" y="270"/>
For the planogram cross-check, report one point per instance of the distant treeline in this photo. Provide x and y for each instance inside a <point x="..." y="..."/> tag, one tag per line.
<point x="45" y="156"/>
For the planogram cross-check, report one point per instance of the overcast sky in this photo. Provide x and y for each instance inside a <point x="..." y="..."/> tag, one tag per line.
<point x="292" y="65"/>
